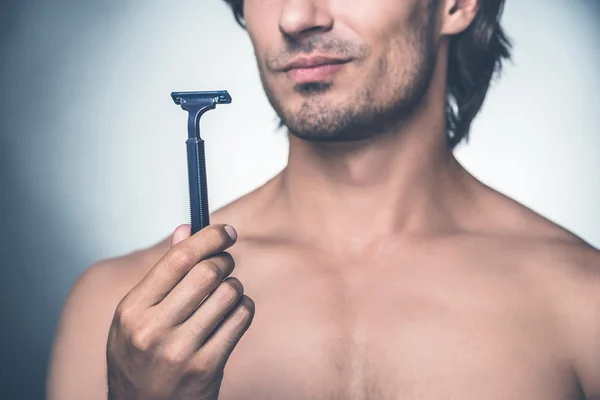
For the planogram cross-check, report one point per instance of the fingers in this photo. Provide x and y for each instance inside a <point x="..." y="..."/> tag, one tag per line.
<point x="182" y="232"/>
<point x="212" y="310"/>
<point x="179" y="260"/>
<point x="202" y="280"/>
<point x="218" y="346"/>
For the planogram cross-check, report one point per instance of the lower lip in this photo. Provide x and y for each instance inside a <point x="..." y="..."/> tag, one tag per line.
<point x="314" y="74"/>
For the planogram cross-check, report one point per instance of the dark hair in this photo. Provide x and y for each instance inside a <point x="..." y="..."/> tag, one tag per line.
<point x="474" y="57"/>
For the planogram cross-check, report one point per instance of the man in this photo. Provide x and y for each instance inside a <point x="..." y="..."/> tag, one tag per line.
<point x="378" y="267"/>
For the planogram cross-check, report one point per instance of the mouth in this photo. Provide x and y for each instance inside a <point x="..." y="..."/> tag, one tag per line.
<point x="313" y="69"/>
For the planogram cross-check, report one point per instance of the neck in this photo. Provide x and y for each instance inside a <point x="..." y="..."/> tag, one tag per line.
<point x="356" y="194"/>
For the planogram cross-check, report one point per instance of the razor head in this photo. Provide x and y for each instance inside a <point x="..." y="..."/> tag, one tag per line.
<point x="201" y="98"/>
<point x="196" y="104"/>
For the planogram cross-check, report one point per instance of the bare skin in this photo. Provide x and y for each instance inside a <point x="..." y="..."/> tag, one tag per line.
<point x="504" y="311"/>
<point x="379" y="268"/>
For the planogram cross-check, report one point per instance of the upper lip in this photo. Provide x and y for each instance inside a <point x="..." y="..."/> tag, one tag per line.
<point x="312" y="62"/>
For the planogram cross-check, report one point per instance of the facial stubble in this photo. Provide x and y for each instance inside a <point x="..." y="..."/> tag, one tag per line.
<point x="369" y="111"/>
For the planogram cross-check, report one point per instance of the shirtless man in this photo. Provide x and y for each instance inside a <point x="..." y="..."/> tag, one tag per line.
<point x="378" y="267"/>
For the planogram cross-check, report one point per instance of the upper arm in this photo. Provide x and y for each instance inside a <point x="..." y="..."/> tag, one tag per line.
<point x="78" y="363"/>
<point x="584" y="321"/>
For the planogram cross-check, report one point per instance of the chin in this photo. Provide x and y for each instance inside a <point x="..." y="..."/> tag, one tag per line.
<point x="319" y="116"/>
<point x="355" y="118"/>
<point x="321" y="122"/>
<point x="330" y="137"/>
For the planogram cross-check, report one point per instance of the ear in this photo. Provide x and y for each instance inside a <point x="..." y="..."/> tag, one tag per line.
<point x="458" y="15"/>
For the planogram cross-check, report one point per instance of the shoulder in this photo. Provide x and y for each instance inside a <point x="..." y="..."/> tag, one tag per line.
<point x="532" y="239"/>
<point x="564" y="273"/>
<point x="106" y="282"/>
<point x="575" y="284"/>
<point x="548" y="247"/>
<point x="552" y="256"/>
<point x="110" y="279"/>
<point x="77" y="366"/>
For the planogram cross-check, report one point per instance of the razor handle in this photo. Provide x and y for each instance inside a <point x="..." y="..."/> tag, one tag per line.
<point x="197" y="180"/>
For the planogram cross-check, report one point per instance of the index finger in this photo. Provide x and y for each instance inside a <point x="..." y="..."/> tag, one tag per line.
<point x="179" y="260"/>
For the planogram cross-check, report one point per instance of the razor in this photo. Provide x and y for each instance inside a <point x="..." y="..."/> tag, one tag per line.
<point x="196" y="104"/>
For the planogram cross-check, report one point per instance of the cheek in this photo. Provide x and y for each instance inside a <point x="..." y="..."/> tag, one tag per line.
<point x="392" y="71"/>
<point x="375" y="20"/>
<point x="262" y="14"/>
<point x="387" y="27"/>
<point x="262" y="23"/>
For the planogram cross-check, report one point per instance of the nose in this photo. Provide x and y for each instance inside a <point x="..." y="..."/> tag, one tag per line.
<point x="300" y="18"/>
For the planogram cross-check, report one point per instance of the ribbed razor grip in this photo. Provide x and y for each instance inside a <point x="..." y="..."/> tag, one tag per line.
<point x="197" y="180"/>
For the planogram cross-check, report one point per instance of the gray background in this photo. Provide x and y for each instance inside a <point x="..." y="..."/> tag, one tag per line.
<point x="92" y="161"/>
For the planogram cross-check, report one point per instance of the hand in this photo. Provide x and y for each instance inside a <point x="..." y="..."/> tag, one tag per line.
<point x="172" y="334"/>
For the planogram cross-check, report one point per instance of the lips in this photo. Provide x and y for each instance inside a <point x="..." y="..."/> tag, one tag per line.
<point x="313" y="69"/>
<point x="313" y="62"/>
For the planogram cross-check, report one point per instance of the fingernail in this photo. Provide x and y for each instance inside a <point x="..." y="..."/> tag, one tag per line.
<point x="231" y="232"/>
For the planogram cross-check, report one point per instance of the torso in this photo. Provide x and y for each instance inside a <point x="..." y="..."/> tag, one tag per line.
<point x="433" y="322"/>
<point x="474" y="315"/>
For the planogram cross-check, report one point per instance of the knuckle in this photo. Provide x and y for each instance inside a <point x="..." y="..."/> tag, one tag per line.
<point x="173" y="355"/>
<point x="210" y="272"/>
<point x="232" y="289"/>
<point x="125" y="315"/>
<point x="227" y="257"/>
<point x="143" y="339"/>
<point x="202" y="368"/>
<point x="219" y="236"/>
<point x="227" y="260"/>
<point x="243" y="314"/>
<point x="228" y="295"/>
<point x="248" y="304"/>
<point x="180" y="257"/>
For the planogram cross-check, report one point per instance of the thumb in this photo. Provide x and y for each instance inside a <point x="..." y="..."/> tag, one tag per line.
<point x="182" y="232"/>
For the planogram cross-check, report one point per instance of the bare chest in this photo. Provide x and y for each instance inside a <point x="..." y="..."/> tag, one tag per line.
<point x="364" y="337"/>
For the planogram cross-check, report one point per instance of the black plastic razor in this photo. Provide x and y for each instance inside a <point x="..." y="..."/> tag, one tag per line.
<point x="196" y="104"/>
